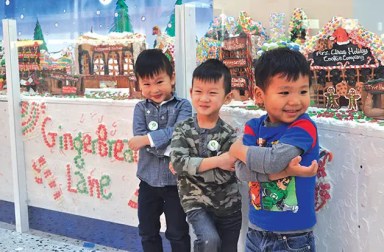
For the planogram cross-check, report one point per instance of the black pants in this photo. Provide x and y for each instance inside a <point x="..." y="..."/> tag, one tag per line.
<point x="152" y="202"/>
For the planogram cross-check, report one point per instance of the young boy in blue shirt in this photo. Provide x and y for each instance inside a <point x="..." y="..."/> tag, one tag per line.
<point x="153" y="122"/>
<point x="281" y="212"/>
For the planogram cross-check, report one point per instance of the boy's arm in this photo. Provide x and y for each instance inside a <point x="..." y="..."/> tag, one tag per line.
<point x="265" y="160"/>
<point x="139" y="125"/>
<point x="243" y="173"/>
<point x="294" y="169"/>
<point x="181" y="160"/>
<point x="161" y="137"/>
<point x="140" y="138"/>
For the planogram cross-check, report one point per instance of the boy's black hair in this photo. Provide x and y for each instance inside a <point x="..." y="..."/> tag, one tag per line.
<point x="280" y="61"/>
<point x="151" y="62"/>
<point x="213" y="70"/>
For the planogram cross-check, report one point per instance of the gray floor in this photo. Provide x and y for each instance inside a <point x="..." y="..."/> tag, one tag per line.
<point x="37" y="241"/>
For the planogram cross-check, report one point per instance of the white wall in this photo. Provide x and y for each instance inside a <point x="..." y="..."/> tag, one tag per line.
<point x="6" y="182"/>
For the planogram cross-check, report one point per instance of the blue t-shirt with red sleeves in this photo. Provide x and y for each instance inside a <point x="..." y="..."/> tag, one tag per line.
<point x="287" y="204"/>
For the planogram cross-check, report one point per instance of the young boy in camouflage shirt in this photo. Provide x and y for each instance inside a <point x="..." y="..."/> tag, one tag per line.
<point x="207" y="184"/>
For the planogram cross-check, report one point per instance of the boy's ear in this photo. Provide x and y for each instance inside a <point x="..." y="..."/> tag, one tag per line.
<point x="228" y="98"/>
<point x="258" y="95"/>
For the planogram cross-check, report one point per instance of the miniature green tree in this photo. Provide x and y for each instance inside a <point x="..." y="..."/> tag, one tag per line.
<point x="122" y="22"/>
<point x="38" y="35"/>
<point x="170" y="30"/>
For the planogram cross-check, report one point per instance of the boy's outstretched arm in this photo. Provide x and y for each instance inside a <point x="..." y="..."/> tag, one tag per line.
<point x="294" y="168"/>
<point x="265" y="160"/>
<point x="182" y="161"/>
<point x="239" y="150"/>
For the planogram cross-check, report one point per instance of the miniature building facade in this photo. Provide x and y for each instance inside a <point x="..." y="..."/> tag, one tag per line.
<point x="108" y="66"/>
<point x="236" y="54"/>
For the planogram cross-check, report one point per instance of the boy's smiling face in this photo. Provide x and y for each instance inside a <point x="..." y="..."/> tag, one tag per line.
<point x="286" y="100"/>
<point x="158" y="88"/>
<point x="208" y="97"/>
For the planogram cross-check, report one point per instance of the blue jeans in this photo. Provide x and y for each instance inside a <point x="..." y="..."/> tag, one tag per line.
<point x="152" y="202"/>
<point x="215" y="233"/>
<point x="263" y="241"/>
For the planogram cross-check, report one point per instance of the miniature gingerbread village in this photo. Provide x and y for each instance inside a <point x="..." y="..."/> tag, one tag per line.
<point x="343" y="57"/>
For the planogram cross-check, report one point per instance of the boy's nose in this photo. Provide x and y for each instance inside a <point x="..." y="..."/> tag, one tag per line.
<point x="294" y="100"/>
<point x="204" y="97"/>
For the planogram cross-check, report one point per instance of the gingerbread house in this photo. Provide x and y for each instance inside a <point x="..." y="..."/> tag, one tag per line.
<point x="343" y="55"/>
<point x="108" y="61"/>
<point x="236" y="54"/>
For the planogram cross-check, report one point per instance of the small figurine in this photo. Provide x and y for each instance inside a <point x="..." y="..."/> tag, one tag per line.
<point x="352" y="97"/>
<point x="157" y="32"/>
<point x="331" y="97"/>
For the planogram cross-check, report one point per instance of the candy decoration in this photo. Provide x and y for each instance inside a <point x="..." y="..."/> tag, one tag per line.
<point x="276" y="22"/>
<point x="323" y="185"/>
<point x="298" y="26"/>
<point x="44" y="175"/>
<point x="133" y="201"/>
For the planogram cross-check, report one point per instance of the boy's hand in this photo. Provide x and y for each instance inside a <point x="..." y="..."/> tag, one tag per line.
<point x="172" y="169"/>
<point x="227" y="162"/>
<point x="138" y="142"/>
<point x="295" y="169"/>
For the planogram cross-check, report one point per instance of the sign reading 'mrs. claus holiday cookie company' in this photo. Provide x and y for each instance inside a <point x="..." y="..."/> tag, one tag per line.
<point x="342" y="52"/>
<point x="345" y="56"/>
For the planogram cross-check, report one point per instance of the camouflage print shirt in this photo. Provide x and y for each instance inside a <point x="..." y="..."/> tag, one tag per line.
<point x="215" y="190"/>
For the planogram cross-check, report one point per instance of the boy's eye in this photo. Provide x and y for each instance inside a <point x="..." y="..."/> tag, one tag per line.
<point x="160" y="82"/>
<point x="284" y="93"/>
<point x="213" y="93"/>
<point x="304" y="92"/>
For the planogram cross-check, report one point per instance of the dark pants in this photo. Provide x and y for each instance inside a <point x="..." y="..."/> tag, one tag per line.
<point x="215" y="233"/>
<point x="152" y="202"/>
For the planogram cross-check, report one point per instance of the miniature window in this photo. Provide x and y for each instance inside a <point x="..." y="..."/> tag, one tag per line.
<point x="128" y="63"/>
<point x="113" y="64"/>
<point x="98" y="64"/>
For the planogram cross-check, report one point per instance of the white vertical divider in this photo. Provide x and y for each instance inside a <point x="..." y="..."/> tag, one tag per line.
<point x="14" y="109"/>
<point x="185" y="48"/>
